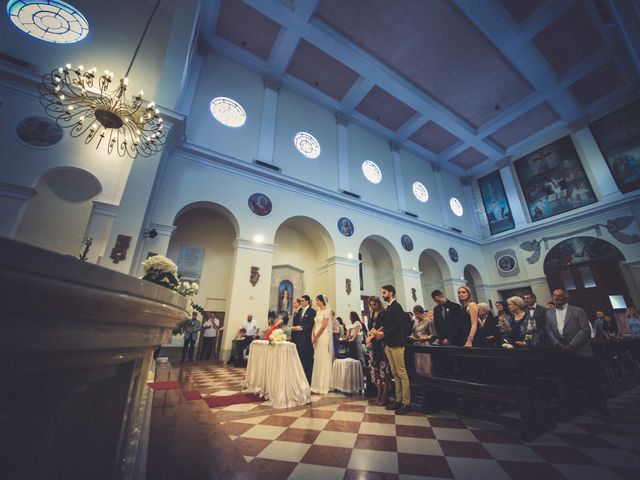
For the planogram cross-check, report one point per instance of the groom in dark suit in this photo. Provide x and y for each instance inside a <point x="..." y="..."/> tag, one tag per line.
<point x="301" y="332"/>
<point x="568" y="329"/>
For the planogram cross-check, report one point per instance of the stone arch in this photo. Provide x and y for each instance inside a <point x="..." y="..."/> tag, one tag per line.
<point x="473" y="279"/>
<point x="216" y="207"/>
<point x="380" y="264"/>
<point x="435" y="270"/>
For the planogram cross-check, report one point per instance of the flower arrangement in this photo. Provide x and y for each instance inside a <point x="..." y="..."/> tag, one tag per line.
<point x="162" y="271"/>
<point x="277" y="336"/>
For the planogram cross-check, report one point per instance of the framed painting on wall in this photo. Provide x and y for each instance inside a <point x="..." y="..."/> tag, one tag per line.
<point x="553" y="180"/>
<point x="618" y="137"/>
<point x="495" y="202"/>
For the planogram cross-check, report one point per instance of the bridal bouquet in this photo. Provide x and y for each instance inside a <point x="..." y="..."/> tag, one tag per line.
<point x="277" y="336"/>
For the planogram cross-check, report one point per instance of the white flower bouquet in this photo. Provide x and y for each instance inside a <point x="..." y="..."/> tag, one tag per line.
<point x="161" y="270"/>
<point x="277" y="336"/>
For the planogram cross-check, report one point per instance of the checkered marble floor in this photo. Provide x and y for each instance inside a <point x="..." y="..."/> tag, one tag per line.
<point x="340" y="437"/>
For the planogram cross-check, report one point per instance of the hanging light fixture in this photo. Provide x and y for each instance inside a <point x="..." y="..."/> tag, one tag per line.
<point x="92" y="108"/>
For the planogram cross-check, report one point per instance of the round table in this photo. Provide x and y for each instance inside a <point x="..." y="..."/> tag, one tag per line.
<point x="347" y="375"/>
<point x="275" y="373"/>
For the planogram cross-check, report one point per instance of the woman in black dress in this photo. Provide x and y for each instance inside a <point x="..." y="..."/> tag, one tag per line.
<point x="487" y="327"/>
<point x="465" y="332"/>
<point x="380" y="372"/>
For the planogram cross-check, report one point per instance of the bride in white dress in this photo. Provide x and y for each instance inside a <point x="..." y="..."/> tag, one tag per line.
<point x="322" y="340"/>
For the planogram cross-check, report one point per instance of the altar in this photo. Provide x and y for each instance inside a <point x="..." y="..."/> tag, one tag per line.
<point x="275" y="373"/>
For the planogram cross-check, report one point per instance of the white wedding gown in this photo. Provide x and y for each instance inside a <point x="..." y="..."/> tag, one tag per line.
<point x="323" y="355"/>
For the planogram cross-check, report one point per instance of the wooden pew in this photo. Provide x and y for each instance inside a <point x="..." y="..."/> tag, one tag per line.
<point x="469" y="379"/>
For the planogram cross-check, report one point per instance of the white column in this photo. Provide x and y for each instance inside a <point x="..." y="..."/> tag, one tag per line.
<point x="344" y="181"/>
<point x="158" y="245"/>
<point x="410" y="280"/>
<point x="13" y="201"/>
<point x="397" y="174"/>
<point x="451" y="286"/>
<point x="631" y="273"/>
<point x="179" y="53"/>
<point x="540" y="287"/>
<point x="99" y="228"/>
<point x="245" y="298"/>
<point x="443" y="201"/>
<point x="467" y="193"/>
<point x="268" y="123"/>
<point x="510" y="182"/>
<point x="595" y="165"/>
<point x="341" y="269"/>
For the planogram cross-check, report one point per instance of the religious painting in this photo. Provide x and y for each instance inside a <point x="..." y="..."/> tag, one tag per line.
<point x="260" y="204"/>
<point x="190" y="261"/>
<point x="553" y="180"/>
<point x="254" y="276"/>
<point x="580" y="250"/>
<point x="453" y="254"/>
<point x="495" y="202"/>
<point x="345" y="226"/>
<point x="618" y="136"/>
<point x="407" y="242"/>
<point x="285" y="296"/>
<point x="39" y="132"/>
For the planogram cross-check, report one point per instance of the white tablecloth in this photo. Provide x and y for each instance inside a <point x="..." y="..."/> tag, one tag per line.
<point x="347" y="375"/>
<point x="275" y="372"/>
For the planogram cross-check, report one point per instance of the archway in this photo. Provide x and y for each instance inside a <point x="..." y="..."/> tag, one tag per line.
<point x="589" y="269"/>
<point x="473" y="279"/>
<point x="56" y="218"/>
<point x="302" y="248"/>
<point x="202" y="247"/>
<point x="434" y="270"/>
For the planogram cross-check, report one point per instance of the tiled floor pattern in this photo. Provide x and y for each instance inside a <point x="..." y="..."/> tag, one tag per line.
<point x="340" y="437"/>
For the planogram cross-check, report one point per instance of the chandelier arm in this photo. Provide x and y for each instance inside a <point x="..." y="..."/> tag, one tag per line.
<point x="144" y="32"/>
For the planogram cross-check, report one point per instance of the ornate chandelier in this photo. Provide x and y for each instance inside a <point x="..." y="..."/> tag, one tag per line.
<point x="90" y="106"/>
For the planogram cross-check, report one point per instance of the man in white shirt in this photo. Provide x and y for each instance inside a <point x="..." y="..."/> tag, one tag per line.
<point x="568" y="328"/>
<point x="237" y="346"/>
<point x="209" y="333"/>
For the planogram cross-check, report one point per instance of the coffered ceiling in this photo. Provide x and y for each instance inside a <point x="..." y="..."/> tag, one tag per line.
<point x="462" y="83"/>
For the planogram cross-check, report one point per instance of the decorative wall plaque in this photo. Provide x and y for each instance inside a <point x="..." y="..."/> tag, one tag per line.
<point x="39" y="132"/>
<point x="507" y="263"/>
<point x="254" y="276"/>
<point x="119" y="252"/>
<point x="345" y="226"/>
<point x="406" y="242"/>
<point x="260" y="204"/>
<point x="414" y="295"/>
<point x="348" y="286"/>
<point x="453" y="254"/>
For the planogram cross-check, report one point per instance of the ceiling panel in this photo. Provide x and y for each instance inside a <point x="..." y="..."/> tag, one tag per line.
<point x="568" y="39"/>
<point x="597" y="84"/>
<point x="447" y="56"/>
<point x="468" y="159"/>
<point x="433" y="137"/>
<point x="525" y="125"/>
<point x="321" y="71"/>
<point x="520" y="9"/>
<point x="247" y="28"/>
<point x="385" y="109"/>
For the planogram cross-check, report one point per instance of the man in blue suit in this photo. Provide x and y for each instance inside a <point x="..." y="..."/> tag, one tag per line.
<point x="568" y="329"/>
<point x="301" y="333"/>
<point x="190" y="336"/>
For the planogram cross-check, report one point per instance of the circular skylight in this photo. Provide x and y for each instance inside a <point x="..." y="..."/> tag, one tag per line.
<point x="371" y="171"/>
<point x="52" y="21"/>
<point x="307" y="145"/>
<point x="228" y="112"/>
<point x="420" y="191"/>
<point x="456" y="206"/>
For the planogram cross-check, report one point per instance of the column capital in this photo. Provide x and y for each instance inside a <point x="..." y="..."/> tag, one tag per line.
<point x="165" y="230"/>
<point x="346" y="262"/>
<point x="271" y="84"/>
<point x="503" y="162"/>
<point x="465" y="181"/>
<point x="578" y="124"/>
<point x="435" y="167"/>
<point x="342" y="119"/>
<point x="16" y="191"/>
<point x="243" y="244"/>
<point x="408" y="272"/>
<point x="394" y="146"/>
<point x="106" y="209"/>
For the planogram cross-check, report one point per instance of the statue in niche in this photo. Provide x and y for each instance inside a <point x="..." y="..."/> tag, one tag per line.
<point x="254" y="276"/>
<point x="414" y="295"/>
<point x="348" y="286"/>
<point x="285" y="295"/>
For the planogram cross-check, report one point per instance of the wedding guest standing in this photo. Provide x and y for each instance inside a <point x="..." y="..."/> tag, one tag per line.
<point x="380" y="372"/>
<point x="303" y="331"/>
<point x="394" y="335"/>
<point x="523" y="327"/>
<point x="354" y="337"/>
<point x="424" y="330"/>
<point x="446" y="315"/>
<point x="190" y="337"/>
<point x="322" y="340"/>
<point x="487" y="327"/>
<point x="209" y="334"/>
<point x="465" y="330"/>
<point x="539" y="315"/>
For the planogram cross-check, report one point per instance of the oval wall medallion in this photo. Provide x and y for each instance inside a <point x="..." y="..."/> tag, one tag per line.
<point x="260" y="204"/>
<point x="506" y="263"/>
<point x="345" y="226"/>
<point x="40" y="132"/>
<point x="453" y="254"/>
<point x="407" y="243"/>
